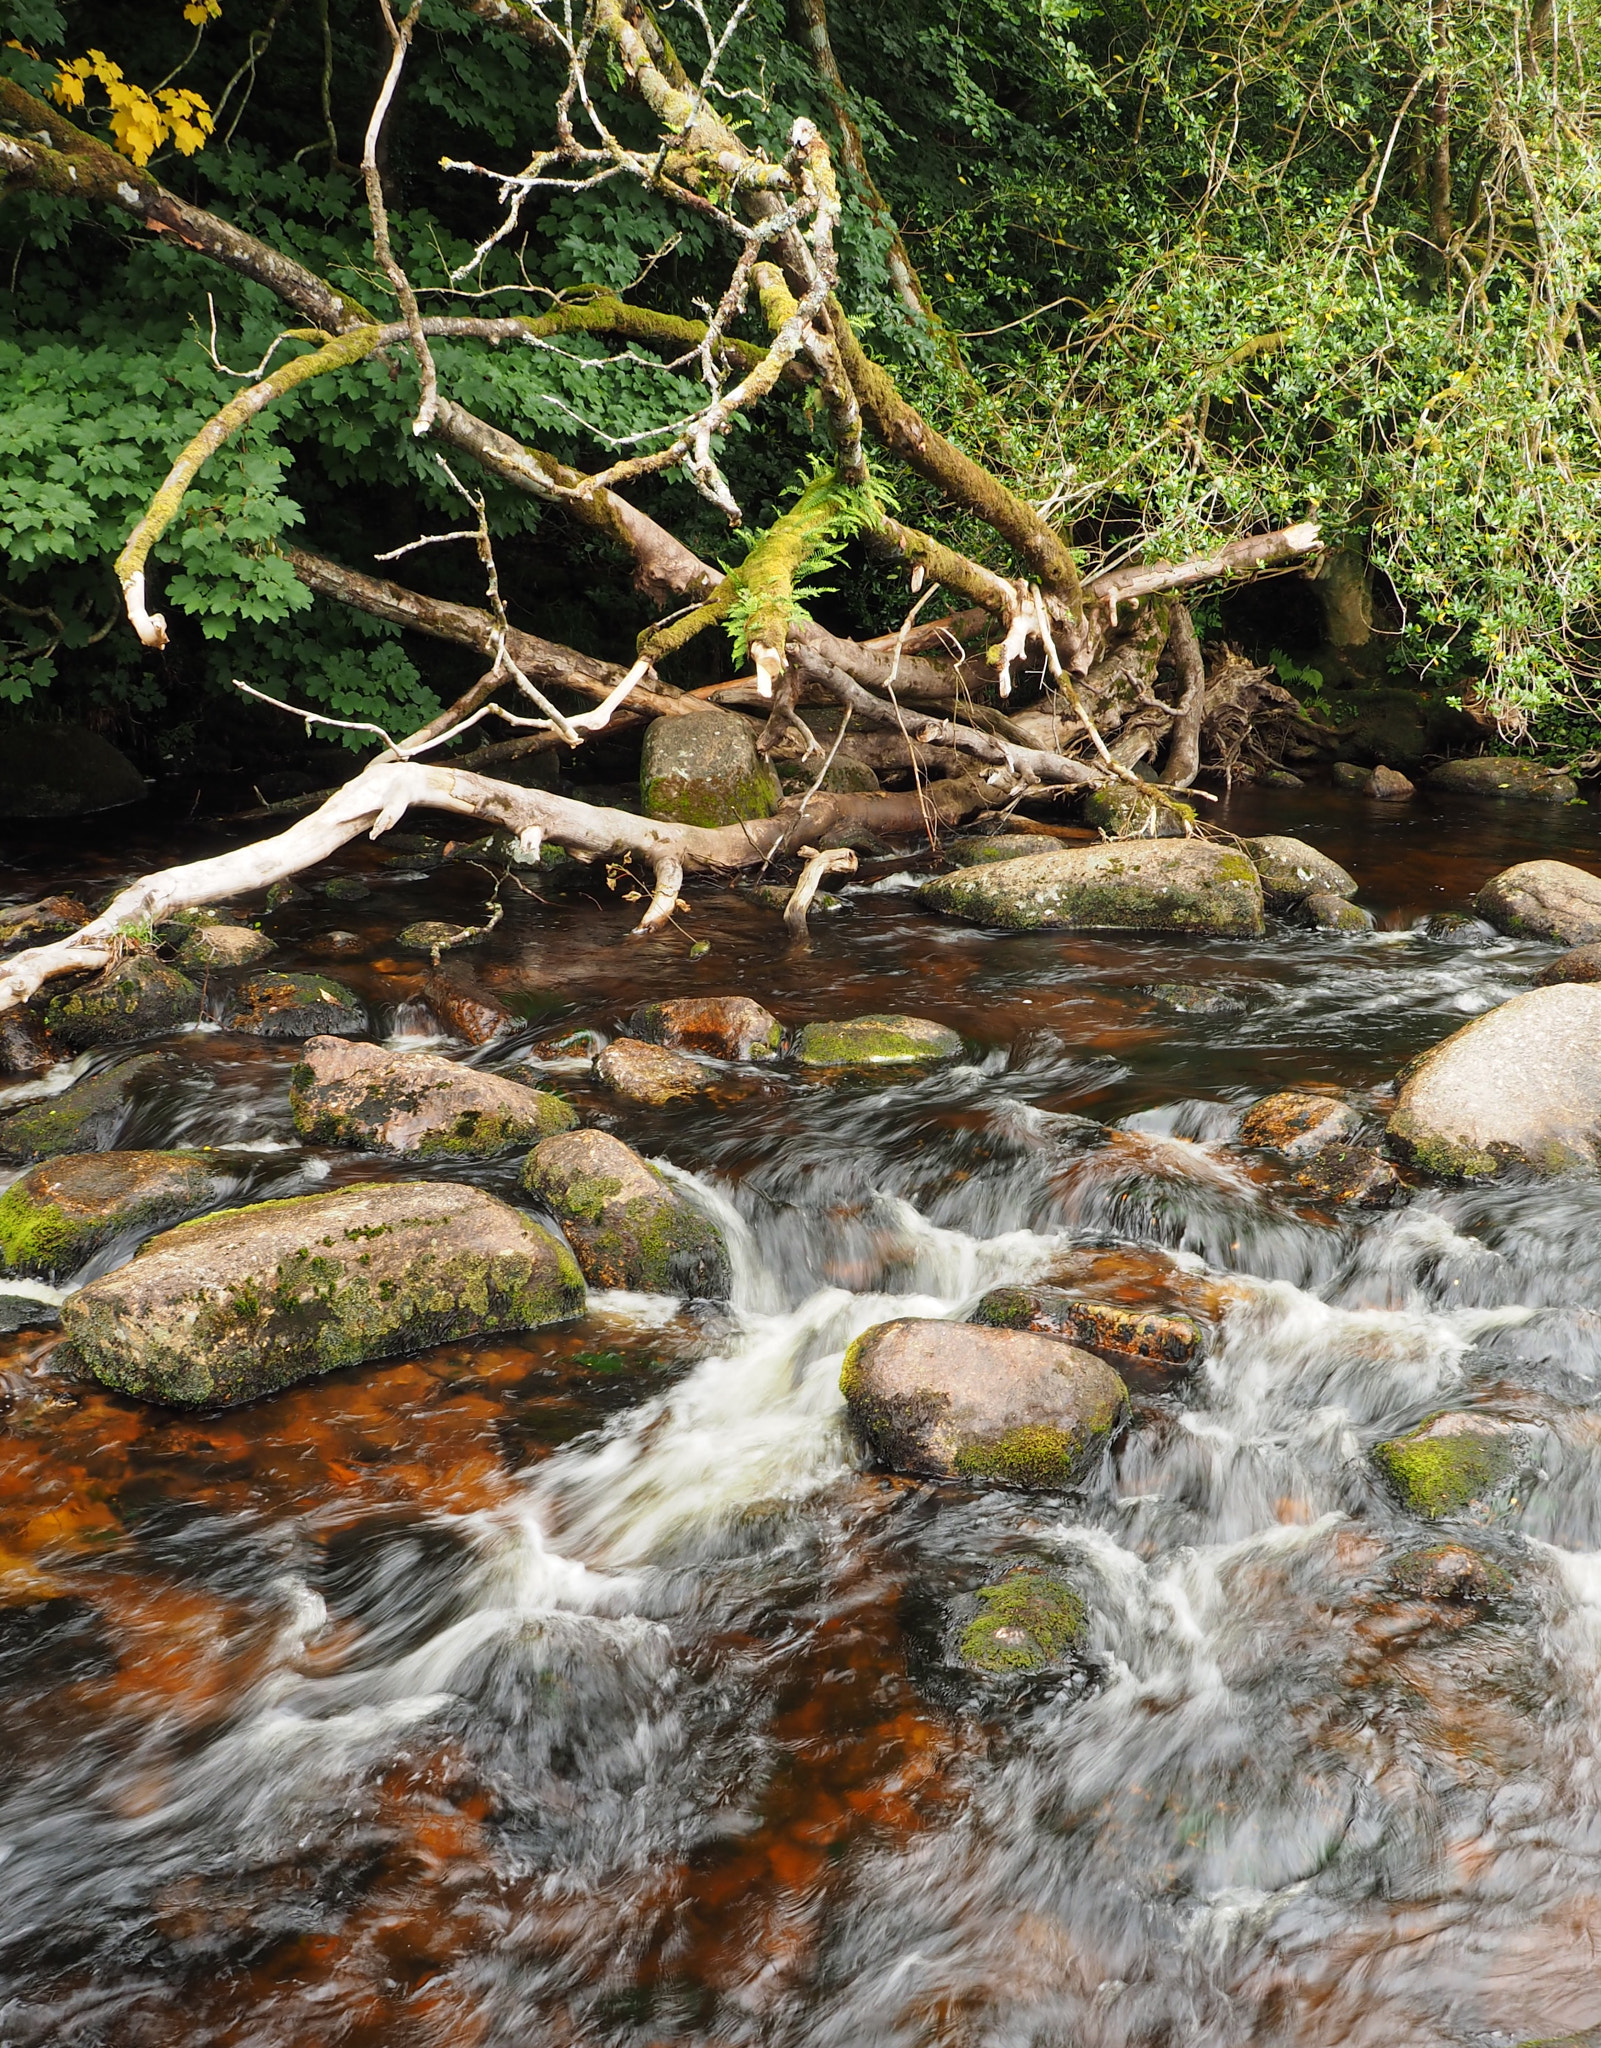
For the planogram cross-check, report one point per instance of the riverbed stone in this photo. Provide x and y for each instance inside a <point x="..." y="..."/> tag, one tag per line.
<point x="1356" y="1176"/>
<point x="59" y="1213"/>
<point x="51" y="917"/>
<point x="1451" y="1571"/>
<point x="247" y="1301"/>
<point x="628" y="1224"/>
<point x="136" y="997"/>
<point x="1109" y="1328"/>
<point x="884" y="1040"/>
<point x="1122" y="812"/>
<point x="1506" y="778"/>
<point x="982" y="849"/>
<point x="726" y="1027"/>
<point x="294" y="1006"/>
<point x="649" y="1074"/>
<point x="1291" y="871"/>
<point x="1457" y="928"/>
<point x="1298" y="1123"/>
<point x="1323" y="911"/>
<point x="1156" y="885"/>
<point x="1543" y="899"/>
<point x="64" y="771"/>
<point x="25" y="1046"/>
<point x="416" y="1104"/>
<point x="1030" y="1621"/>
<point x="702" y="768"/>
<point x="87" y="1117"/>
<point x="1352" y="775"/>
<point x="1579" y="963"/>
<point x="1390" y="786"/>
<point x="1015" y="1408"/>
<point x="1195" y="999"/>
<point x="467" y="1011"/>
<point x="1451" y="1464"/>
<point x="1519" y="1087"/>
<point x="224" y="945"/>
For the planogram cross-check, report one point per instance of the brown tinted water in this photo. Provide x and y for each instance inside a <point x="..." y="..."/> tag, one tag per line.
<point x="586" y="1687"/>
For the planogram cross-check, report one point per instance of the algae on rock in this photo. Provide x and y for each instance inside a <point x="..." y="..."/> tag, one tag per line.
<point x="1030" y="1620"/>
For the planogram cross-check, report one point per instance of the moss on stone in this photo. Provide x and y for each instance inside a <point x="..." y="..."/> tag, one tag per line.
<point x="86" y="1118"/>
<point x="1445" y="1158"/>
<point x="1035" y="1456"/>
<point x="875" y="1041"/>
<point x="1006" y="1308"/>
<point x="1435" y="1476"/>
<point x="133" y="998"/>
<point x="1029" y="1620"/>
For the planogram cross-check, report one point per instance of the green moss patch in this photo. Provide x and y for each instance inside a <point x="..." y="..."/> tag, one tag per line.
<point x="1437" y="1475"/>
<point x="875" y="1041"/>
<point x="1030" y="1620"/>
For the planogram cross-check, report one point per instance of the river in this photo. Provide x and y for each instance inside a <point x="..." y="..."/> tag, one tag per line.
<point x="588" y="1687"/>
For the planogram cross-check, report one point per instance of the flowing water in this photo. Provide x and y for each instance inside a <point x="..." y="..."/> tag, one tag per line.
<point x="587" y="1686"/>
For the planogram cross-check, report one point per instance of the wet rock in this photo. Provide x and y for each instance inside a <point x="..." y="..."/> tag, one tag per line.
<point x="336" y="944"/>
<point x="1506" y="778"/>
<point x="246" y="1301"/>
<point x="984" y="848"/>
<point x="649" y="1074"/>
<point x="860" y="838"/>
<point x="23" y="1312"/>
<point x="775" y="896"/>
<point x="1390" y="786"/>
<point x="1281" y="778"/>
<point x="64" y="771"/>
<point x="1298" y="1123"/>
<point x="1451" y="1464"/>
<point x="1326" y="912"/>
<point x="415" y="1104"/>
<point x="1181" y="885"/>
<point x="432" y="937"/>
<point x="344" y="889"/>
<point x="1543" y="899"/>
<point x="136" y="997"/>
<point x="1581" y="963"/>
<point x="1357" y="1176"/>
<point x="726" y="1027"/>
<point x="1125" y="813"/>
<point x="1195" y="999"/>
<point x="25" y="924"/>
<point x="1107" y="1328"/>
<point x="629" y="1226"/>
<point x="845" y="777"/>
<point x="1450" y="1571"/>
<point x="1518" y="1087"/>
<point x="88" y="1117"/>
<point x="294" y="1006"/>
<point x="1291" y="871"/>
<point x="25" y="1046"/>
<point x="703" y="769"/>
<point x="959" y="1401"/>
<point x="875" y="1041"/>
<point x="60" y="1213"/>
<point x="567" y="1049"/>
<point x="1352" y="775"/>
<point x="1030" y="1621"/>
<point x="1456" y="928"/>
<point x="286" y="892"/>
<point x="224" y="945"/>
<point x="467" y="1011"/>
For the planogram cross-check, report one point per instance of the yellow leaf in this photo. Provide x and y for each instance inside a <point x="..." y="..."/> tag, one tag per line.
<point x="198" y="12"/>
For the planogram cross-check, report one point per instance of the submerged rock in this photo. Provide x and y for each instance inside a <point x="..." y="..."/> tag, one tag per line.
<point x="726" y="1027"/>
<point x="244" y="1302"/>
<point x="1358" y="1176"/>
<point x="58" y="1214"/>
<point x="64" y="771"/>
<point x="416" y="1104"/>
<point x="294" y="1006"/>
<point x="1456" y="928"/>
<point x="1326" y="912"/>
<point x="702" y="768"/>
<point x="1195" y="999"/>
<point x="1291" y="871"/>
<point x="1125" y="813"/>
<point x="1029" y="1621"/>
<point x="629" y="1226"/>
<point x="344" y="889"/>
<point x="1581" y="963"/>
<point x="1451" y="1464"/>
<point x="88" y="1117"/>
<point x="1543" y="899"/>
<point x="25" y="1046"/>
<point x="224" y="945"/>
<point x="959" y="1401"/>
<point x="1450" y="1571"/>
<point x="875" y="1041"/>
<point x="433" y="937"/>
<point x="1505" y="777"/>
<point x="1518" y="1087"/>
<point x="136" y="997"/>
<point x="334" y="945"/>
<point x="1158" y="885"/>
<point x="649" y="1074"/>
<point x="1107" y="1328"/>
<point x="1298" y="1123"/>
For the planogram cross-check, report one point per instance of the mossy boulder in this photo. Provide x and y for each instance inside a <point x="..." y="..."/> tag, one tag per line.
<point x="726" y="1027"/>
<point x="1298" y="1123"/>
<point x="136" y="997"/>
<point x="875" y="1041"/>
<point x="1122" y="812"/>
<point x="246" y="1301"/>
<point x="1291" y="871"/>
<point x="702" y="768"/>
<point x="25" y="924"/>
<point x="1451" y="1464"/>
<point x="983" y="849"/>
<point x="1195" y="999"/>
<point x="650" y="1075"/>
<point x="629" y="1226"/>
<point x="1030" y="1621"/>
<point x="1158" y="885"/>
<point x="1543" y="899"/>
<point x="294" y="1006"/>
<point x="224" y="945"/>
<point x="88" y="1117"/>
<point x="1107" y="1328"/>
<point x="60" y="1213"/>
<point x="1323" y="911"/>
<point x="1505" y="778"/>
<point x="960" y="1401"/>
<point x="1518" y="1088"/>
<point x="416" y="1104"/>
<point x="1354" y="1176"/>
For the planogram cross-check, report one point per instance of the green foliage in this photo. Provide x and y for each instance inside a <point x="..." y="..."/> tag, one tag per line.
<point x="777" y="580"/>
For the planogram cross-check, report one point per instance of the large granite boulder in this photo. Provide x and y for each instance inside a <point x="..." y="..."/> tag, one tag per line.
<point x="959" y="1401"/>
<point x="415" y="1103"/>
<point x="1291" y="871"/>
<point x="1518" y="1087"/>
<point x="1505" y="778"/>
<point x="246" y="1301"/>
<point x="1543" y="899"/>
<point x="629" y="1226"/>
<point x="1133" y="885"/>
<point x="88" y="1117"/>
<point x="726" y="1027"/>
<point x="64" y="771"/>
<point x="294" y="1006"/>
<point x="702" y="768"/>
<point x="875" y="1041"/>
<point x="59" y="1213"/>
<point x="135" y="997"/>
